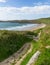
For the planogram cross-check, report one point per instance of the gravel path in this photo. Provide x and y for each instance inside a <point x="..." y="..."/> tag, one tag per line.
<point x="33" y="58"/>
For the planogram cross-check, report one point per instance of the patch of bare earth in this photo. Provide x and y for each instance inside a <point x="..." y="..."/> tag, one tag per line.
<point x="47" y="46"/>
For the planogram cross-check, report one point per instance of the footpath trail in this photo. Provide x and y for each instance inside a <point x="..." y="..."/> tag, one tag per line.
<point x="19" y="62"/>
<point x="16" y="55"/>
<point x="34" y="58"/>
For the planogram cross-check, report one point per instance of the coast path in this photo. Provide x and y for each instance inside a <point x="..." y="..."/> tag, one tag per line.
<point x="34" y="58"/>
<point x="19" y="62"/>
<point x="16" y="55"/>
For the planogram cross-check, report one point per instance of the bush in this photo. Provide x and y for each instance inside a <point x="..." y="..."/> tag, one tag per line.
<point x="11" y="42"/>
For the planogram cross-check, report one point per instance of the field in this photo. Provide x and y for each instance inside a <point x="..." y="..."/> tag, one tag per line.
<point x="44" y="58"/>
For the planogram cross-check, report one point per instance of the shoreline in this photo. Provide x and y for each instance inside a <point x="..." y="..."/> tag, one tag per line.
<point x="26" y="27"/>
<point x="38" y="27"/>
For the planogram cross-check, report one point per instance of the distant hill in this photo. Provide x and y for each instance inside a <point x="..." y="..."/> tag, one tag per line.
<point x="44" y="20"/>
<point x="41" y="20"/>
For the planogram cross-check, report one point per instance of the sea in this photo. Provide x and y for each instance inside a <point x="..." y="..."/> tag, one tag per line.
<point x="16" y="26"/>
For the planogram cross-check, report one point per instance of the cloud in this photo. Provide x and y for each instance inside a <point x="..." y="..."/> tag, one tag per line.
<point x="41" y="3"/>
<point x="7" y="13"/>
<point x="2" y="0"/>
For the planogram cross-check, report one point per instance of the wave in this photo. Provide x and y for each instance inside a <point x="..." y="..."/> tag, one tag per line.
<point x="19" y="28"/>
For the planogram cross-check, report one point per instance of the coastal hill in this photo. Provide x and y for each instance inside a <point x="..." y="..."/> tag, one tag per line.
<point x="41" y="20"/>
<point x="12" y="41"/>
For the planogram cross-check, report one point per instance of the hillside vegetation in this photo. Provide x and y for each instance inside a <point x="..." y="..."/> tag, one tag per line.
<point x="45" y="41"/>
<point x="11" y="42"/>
<point x="41" y="44"/>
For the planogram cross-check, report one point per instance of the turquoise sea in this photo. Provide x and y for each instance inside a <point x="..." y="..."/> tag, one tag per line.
<point x="16" y="26"/>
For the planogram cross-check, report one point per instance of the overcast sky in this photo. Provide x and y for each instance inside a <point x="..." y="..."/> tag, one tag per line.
<point x="24" y="9"/>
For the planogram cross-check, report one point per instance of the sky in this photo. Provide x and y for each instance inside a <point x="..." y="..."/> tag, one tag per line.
<point x="24" y="9"/>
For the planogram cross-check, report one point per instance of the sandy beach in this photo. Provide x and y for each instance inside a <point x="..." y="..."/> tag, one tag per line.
<point x="32" y="28"/>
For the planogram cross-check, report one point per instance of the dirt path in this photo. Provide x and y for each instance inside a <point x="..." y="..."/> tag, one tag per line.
<point x="16" y="55"/>
<point x="19" y="62"/>
<point x="33" y="58"/>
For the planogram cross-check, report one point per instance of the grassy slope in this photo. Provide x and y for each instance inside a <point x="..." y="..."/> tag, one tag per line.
<point x="10" y="42"/>
<point x="36" y="46"/>
<point x="45" y="36"/>
<point x="44" y="58"/>
<point x="44" y="40"/>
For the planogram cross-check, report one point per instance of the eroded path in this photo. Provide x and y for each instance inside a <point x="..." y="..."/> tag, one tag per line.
<point x="19" y="62"/>
<point x="16" y="55"/>
<point x="34" y="58"/>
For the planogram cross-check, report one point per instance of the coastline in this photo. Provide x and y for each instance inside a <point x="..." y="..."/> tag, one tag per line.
<point x="38" y="27"/>
<point x="30" y="27"/>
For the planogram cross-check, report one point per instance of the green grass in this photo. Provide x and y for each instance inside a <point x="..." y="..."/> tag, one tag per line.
<point x="36" y="46"/>
<point x="11" y="42"/>
<point x="44" y="41"/>
<point x="44" y="58"/>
